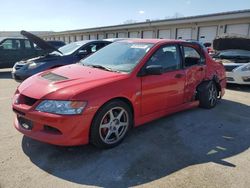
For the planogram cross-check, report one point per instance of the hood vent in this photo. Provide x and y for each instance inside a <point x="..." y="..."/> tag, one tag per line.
<point x="53" y="77"/>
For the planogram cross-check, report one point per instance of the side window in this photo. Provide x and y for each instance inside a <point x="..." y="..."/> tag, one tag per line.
<point x="192" y="57"/>
<point x="11" y="44"/>
<point x="93" y="48"/>
<point x="90" y="48"/>
<point x="168" y="57"/>
<point x="27" y="44"/>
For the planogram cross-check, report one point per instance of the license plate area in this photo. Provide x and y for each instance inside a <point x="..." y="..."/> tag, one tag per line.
<point x="25" y="123"/>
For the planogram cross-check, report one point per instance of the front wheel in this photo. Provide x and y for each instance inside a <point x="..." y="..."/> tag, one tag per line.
<point x="111" y="124"/>
<point x="208" y="95"/>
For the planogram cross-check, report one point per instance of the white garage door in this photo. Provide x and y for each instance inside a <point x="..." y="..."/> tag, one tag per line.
<point x="134" y="34"/>
<point x="61" y="38"/>
<point x="184" y="33"/>
<point x="78" y="37"/>
<point x="207" y="34"/>
<point x="85" y="37"/>
<point x="122" y="35"/>
<point x="111" y="35"/>
<point x="148" y="34"/>
<point x="100" y="36"/>
<point x="67" y="39"/>
<point x="240" y="29"/>
<point x="72" y="38"/>
<point x="92" y="37"/>
<point x="164" y="34"/>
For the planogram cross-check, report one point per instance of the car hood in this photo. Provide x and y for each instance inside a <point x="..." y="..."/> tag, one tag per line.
<point x="40" y="42"/>
<point x="45" y="58"/>
<point x="227" y="43"/>
<point x="65" y="82"/>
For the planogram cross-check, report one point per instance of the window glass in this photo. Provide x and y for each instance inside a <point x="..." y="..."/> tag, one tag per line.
<point x="168" y="57"/>
<point x="93" y="48"/>
<point x="27" y="44"/>
<point x="127" y="55"/>
<point x="192" y="57"/>
<point x="11" y="44"/>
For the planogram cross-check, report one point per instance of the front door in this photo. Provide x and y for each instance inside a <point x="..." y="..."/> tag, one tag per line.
<point x="166" y="90"/>
<point x="10" y="52"/>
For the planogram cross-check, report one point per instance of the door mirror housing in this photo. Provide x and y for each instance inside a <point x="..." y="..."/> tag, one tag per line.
<point x="154" y="70"/>
<point x="1" y="47"/>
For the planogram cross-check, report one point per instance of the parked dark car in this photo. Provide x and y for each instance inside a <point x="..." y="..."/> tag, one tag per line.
<point x="68" y="54"/>
<point x="15" y="49"/>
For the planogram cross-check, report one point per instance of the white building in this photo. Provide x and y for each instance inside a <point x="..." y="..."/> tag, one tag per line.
<point x="203" y="28"/>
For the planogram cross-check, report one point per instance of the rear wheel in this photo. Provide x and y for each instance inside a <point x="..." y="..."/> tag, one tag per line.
<point x="111" y="124"/>
<point x="208" y="95"/>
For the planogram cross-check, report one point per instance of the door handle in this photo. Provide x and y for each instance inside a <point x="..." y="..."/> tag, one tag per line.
<point x="179" y="75"/>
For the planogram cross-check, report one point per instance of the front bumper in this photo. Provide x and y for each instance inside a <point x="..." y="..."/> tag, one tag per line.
<point x="65" y="130"/>
<point x="238" y="77"/>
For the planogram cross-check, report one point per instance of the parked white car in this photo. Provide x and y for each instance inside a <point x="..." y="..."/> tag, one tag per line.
<point x="237" y="65"/>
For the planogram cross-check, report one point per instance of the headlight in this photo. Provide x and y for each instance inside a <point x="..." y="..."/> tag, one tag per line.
<point x="246" y="67"/>
<point x="61" y="107"/>
<point x="33" y="65"/>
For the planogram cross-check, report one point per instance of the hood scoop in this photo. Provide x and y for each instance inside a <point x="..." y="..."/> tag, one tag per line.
<point x="53" y="77"/>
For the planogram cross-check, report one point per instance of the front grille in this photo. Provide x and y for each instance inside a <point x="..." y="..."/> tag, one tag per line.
<point x="53" y="77"/>
<point x="230" y="79"/>
<point x="230" y="68"/>
<point x="17" y="67"/>
<point x="22" y="99"/>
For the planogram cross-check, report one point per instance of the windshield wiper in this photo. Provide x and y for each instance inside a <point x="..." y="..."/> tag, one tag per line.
<point x="101" y="67"/>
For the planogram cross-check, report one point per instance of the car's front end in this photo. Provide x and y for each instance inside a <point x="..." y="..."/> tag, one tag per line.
<point x="24" y="69"/>
<point x="237" y="65"/>
<point x="47" y="107"/>
<point x="238" y="73"/>
<point x="54" y="128"/>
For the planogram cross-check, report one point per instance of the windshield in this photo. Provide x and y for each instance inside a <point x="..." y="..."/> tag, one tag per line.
<point x="119" y="56"/>
<point x="231" y="54"/>
<point x="69" y="48"/>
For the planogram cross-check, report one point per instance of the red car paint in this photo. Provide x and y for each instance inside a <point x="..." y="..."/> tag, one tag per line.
<point x="151" y="96"/>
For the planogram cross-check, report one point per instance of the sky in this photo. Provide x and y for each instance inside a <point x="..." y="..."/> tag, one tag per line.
<point x="61" y="15"/>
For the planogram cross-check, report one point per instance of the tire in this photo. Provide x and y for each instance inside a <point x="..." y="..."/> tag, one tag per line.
<point x="111" y="124"/>
<point x="208" y="95"/>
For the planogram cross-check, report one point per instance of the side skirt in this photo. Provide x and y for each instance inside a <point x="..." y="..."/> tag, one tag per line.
<point x="150" y="117"/>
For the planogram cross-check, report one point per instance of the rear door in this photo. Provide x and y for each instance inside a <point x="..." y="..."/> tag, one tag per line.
<point x="166" y="90"/>
<point x="27" y="49"/>
<point x="194" y="66"/>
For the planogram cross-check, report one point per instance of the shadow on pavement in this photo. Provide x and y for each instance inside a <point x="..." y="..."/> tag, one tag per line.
<point x="152" y="151"/>
<point x="237" y="87"/>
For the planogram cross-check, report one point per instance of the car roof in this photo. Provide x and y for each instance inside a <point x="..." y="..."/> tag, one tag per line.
<point x="3" y="38"/>
<point x="152" y="41"/>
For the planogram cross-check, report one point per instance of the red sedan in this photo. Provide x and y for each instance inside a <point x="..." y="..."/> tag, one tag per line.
<point x="124" y="85"/>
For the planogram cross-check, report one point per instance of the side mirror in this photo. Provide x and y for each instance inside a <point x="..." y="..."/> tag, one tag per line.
<point x="1" y="47"/>
<point x="82" y="53"/>
<point x="207" y="44"/>
<point x="154" y="70"/>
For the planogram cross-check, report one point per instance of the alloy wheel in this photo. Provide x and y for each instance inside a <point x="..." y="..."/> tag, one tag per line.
<point x="114" y="125"/>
